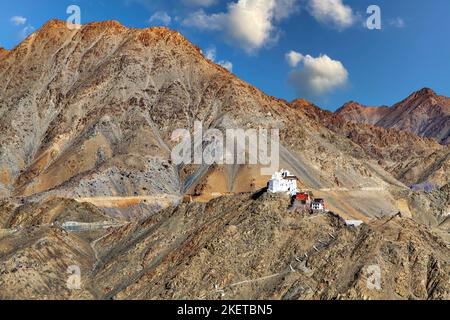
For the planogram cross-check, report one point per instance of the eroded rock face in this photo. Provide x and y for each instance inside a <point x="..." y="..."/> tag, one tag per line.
<point x="424" y="113"/>
<point x="236" y="247"/>
<point x="69" y="112"/>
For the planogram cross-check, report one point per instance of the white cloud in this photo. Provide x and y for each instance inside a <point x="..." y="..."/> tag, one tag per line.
<point x="226" y="64"/>
<point x="249" y="24"/>
<point x="211" y="53"/>
<point x="204" y="22"/>
<point x="160" y="17"/>
<point x="332" y="12"/>
<point x="200" y="3"/>
<point x="285" y="8"/>
<point x="18" y="20"/>
<point x="318" y="76"/>
<point x="397" y="23"/>
<point x="293" y="58"/>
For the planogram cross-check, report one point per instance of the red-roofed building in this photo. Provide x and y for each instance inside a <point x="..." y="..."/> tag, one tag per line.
<point x="302" y="196"/>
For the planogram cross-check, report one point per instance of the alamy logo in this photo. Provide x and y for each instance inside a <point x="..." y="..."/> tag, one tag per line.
<point x="237" y="146"/>
<point x="374" y="277"/>
<point x="374" y="20"/>
<point x="74" y="280"/>
<point x="74" y="20"/>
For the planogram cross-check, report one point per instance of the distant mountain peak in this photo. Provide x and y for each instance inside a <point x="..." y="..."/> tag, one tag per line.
<point x="425" y="91"/>
<point x="424" y="113"/>
<point x="353" y="102"/>
<point x="421" y="95"/>
<point x="351" y="105"/>
<point x="301" y="102"/>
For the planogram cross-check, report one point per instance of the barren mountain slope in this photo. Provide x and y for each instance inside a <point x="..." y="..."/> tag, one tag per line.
<point x="244" y="246"/>
<point x="356" y="112"/>
<point x="89" y="114"/>
<point x="53" y="211"/>
<point x="34" y="263"/>
<point x="86" y="119"/>
<point x="424" y="113"/>
<point x="408" y="157"/>
<point x="248" y="250"/>
<point x="431" y="208"/>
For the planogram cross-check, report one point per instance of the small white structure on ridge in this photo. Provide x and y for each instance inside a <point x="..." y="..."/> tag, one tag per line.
<point x="318" y="205"/>
<point x="283" y="182"/>
<point x="354" y="223"/>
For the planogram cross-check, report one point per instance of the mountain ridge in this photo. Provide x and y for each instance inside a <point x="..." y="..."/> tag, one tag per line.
<point x="423" y="112"/>
<point x="102" y="92"/>
<point x="401" y="153"/>
<point x="86" y="179"/>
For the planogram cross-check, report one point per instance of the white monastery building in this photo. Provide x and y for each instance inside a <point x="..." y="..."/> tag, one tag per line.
<point x="283" y="182"/>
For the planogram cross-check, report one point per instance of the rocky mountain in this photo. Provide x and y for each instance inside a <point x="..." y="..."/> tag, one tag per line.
<point x="86" y="179"/>
<point x="356" y="112"/>
<point x="235" y="247"/>
<point x="409" y="158"/>
<point x="424" y="113"/>
<point x="88" y="114"/>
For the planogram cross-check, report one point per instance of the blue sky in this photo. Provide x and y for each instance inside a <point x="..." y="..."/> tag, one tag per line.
<point x="335" y="58"/>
